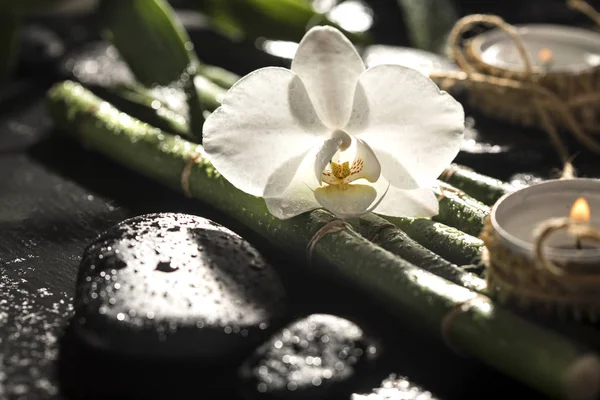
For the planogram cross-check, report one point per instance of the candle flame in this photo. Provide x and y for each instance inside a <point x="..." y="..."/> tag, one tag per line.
<point x="545" y="55"/>
<point x="580" y="211"/>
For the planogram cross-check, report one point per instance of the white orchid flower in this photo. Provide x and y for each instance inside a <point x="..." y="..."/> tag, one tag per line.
<point x="330" y="133"/>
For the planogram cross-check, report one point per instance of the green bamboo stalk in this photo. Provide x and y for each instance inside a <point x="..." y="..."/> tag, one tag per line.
<point x="150" y="39"/>
<point x="548" y="362"/>
<point x="137" y="101"/>
<point x="386" y="235"/>
<point x="481" y="187"/>
<point x="149" y="106"/>
<point x="459" y="210"/>
<point x="10" y="26"/>
<point x="450" y="243"/>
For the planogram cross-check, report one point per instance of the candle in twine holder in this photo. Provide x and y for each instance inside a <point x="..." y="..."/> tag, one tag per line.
<point x="543" y="262"/>
<point x="557" y="89"/>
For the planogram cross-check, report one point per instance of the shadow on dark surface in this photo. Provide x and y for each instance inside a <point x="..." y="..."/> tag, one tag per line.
<point x="86" y="372"/>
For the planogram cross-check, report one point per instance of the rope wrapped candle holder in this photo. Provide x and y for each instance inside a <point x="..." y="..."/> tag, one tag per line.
<point x="540" y="261"/>
<point x="559" y="91"/>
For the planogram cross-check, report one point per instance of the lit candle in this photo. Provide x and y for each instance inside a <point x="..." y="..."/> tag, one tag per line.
<point x="580" y="214"/>
<point x="550" y="47"/>
<point x="516" y="216"/>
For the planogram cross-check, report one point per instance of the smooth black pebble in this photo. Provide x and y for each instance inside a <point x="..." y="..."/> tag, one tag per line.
<point x="396" y="388"/>
<point x="175" y="285"/>
<point x="320" y="356"/>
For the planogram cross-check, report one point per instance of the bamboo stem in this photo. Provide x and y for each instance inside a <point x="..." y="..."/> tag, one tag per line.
<point x="450" y="243"/>
<point x="386" y="235"/>
<point x="459" y="210"/>
<point x="481" y="187"/>
<point x="548" y="362"/>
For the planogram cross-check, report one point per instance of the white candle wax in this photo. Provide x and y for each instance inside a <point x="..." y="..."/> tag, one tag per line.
<point x="570" y="49"/>
<point x="420" y="60"/>
<point x="516" y="216"/>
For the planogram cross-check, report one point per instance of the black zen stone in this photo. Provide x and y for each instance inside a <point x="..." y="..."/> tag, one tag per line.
<point x="317" y="357"/>
<point x="175" y="285"/>
<point x="396" y="388"/>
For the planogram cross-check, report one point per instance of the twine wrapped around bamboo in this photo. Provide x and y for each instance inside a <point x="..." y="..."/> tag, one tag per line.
<point x="532" y="97"/>
<point x="567" y="289"/>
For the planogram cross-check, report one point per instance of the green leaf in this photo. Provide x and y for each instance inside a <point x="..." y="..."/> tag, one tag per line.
<point x="158" y="50"/>
<point x="150" y="39"/>
<point x="10" y="26"/>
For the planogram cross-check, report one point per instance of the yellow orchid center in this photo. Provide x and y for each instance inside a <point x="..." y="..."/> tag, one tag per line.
<point x="339" y="173"/>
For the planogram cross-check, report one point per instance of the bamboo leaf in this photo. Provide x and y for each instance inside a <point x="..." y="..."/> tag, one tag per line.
<point x="158" y="51"/>
<point x="150" y="39"/>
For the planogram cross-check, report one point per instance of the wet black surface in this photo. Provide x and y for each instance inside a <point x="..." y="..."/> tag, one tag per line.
<point x="55" y="197"/>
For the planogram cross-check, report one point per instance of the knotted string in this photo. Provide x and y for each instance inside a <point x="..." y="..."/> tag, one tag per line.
<point x="186" y="172"/>
<point x="546" y="103"/>
<point x="336" y="225"/>
<point x="451" y="170"/>
<point x="445" y="191"/>
<point x="448" y="320"/>
<point x="585" y="8"/>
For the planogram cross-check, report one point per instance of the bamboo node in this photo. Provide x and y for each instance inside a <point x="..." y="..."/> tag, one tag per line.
<point x="380" y="228"/>
<point x="185" y="174"/>
<point x="448" y="319"/>
<point x="451" y="170"/>
<point x="445" y="191"/>
<point x="336" y="225"/>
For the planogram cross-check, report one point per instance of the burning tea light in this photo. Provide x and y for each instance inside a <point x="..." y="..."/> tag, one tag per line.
<point x="517" y="215"/>
<point x="559" y="48"/>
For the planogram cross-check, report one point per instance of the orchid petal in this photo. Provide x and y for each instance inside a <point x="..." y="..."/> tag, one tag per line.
<point x="346" y="201"/>
<point x="365" y="164"/>
<point x="329" y="66"/>
<point x="403" y="114"/>
<point x="265" y="121"/>
<point x="297" y="197"/>
<point x="414" y="203"/>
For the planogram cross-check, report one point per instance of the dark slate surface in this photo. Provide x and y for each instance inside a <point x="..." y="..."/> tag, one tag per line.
<point x="55" y="198"/>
